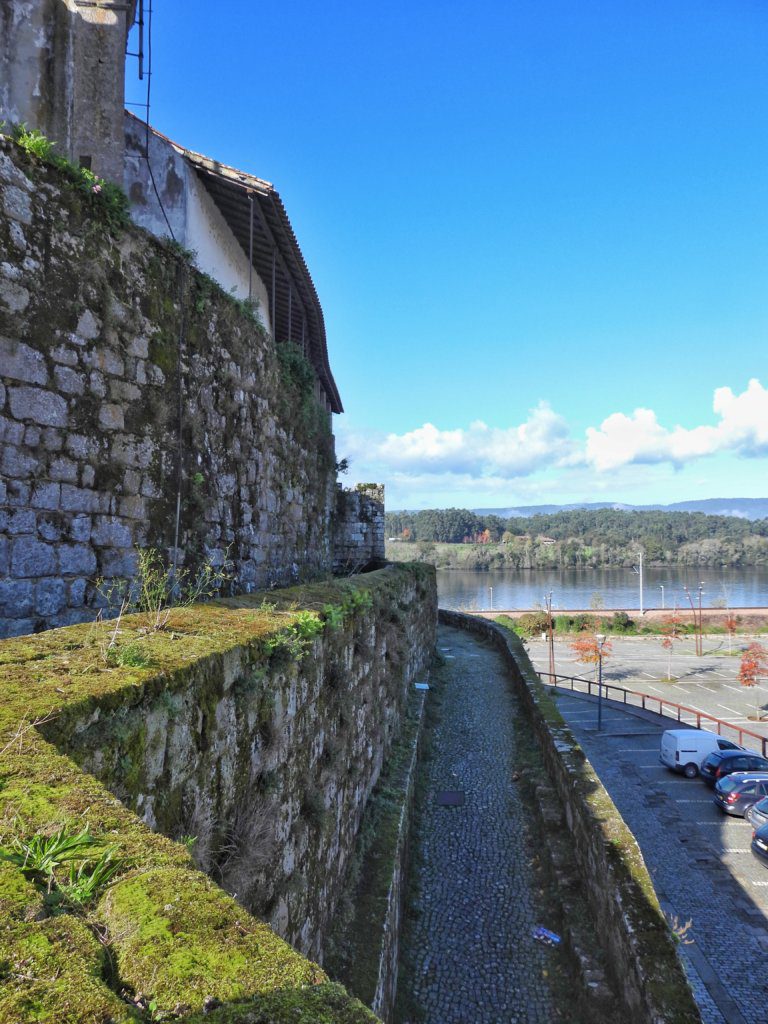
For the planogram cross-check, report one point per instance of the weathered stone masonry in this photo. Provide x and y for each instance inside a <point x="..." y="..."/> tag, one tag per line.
<point x="115" y="354"/>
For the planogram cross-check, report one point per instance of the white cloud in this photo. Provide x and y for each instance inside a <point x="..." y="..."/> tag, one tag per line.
<point x="640" y="438"/>
<point x="541" y="456"/>
<point x="542" y="440"/>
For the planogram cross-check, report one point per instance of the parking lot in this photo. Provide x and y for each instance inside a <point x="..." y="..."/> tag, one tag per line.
<point x="708" y="683"/>
<point x="699" y="858"/>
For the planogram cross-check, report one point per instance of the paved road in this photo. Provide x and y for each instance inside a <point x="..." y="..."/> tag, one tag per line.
<point x="698" y="857"/>
<point x="709" y="683"/>
<point x="474" y="960"/>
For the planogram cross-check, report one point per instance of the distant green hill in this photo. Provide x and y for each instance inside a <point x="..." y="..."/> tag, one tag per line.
<point x="593" y="537"/>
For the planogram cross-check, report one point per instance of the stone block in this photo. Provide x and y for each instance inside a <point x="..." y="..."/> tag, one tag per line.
<point x="123" y="392"/>
<point x="13" y="296"/>
<point x="76" y="560"/>
<point x="111" y="416"/>
<point x="138" y="347"/>
<point x="119" y="562"/>
<point x="17" y="204"/>
<point x="105" y="360"/>
<point x="78" y="499"/>
<point x="10" y="174"/>
<point x="111" y="532"/>
<point x="18" y="521"/>
<point x="17" y="236"/>
<point x="20" y="362"/>
<point x="50" y="596"/>
<point x="69" y="381"/>
<point x="49" y="527"/>
<point x="87" y="476"/>
<point x="88" y="326"/>
<point x="133" y="507"/>
<point x="4" y="549"/>
<point x="44" y="407"/>
<point x="97" y="383"/>
<point x="80" y="528"/>
<point x="52" y="439"/>
<point x="32" y="437"/>
<point x="2" y="396"/>
<point x="72" y="617"/>
<point x="11" y="431"/>
<point x="31" y="557"/>
<point x="17" y="493"/>
<point x="46" y="495"/>
<point x="64" y="355"/>
<point x="15" y="462"/>
<point x="63" y="469"/>
<point x="76" y="593"/>
<point x="81" y="447"/>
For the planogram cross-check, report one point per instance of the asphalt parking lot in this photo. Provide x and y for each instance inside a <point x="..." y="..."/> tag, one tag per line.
<point x="699" y="859"/>
<point x="708" y="683"/>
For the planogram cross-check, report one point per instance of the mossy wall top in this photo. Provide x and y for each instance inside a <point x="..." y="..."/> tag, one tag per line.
<point x="120" y="365"/>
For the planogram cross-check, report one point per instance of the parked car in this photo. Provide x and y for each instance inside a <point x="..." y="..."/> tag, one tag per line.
<point x="737" y="792"/>
<point x="760" y="844"/>
<point x="724" y="762"/>
<point x="757" y="814"/>
<point x="683" y="750"/>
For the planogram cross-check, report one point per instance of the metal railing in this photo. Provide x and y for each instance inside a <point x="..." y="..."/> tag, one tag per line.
<point x="648" y="702"/>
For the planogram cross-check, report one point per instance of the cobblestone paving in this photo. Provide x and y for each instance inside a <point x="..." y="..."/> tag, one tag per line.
<point x="698" y="857"/>
<point x="475" y="961"/>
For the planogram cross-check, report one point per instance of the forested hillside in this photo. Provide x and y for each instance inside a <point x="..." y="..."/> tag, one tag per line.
<point x="581" y="537"/>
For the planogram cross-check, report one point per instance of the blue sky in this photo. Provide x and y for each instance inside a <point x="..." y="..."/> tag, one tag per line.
<point x="526" y="221"/>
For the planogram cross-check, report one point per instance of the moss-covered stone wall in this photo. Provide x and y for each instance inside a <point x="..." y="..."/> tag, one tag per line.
<point x="256" y="729"/>
<point x="129" y="380"/>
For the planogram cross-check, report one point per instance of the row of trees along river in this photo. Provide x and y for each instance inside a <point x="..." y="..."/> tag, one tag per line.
<point x="581" y="538"/>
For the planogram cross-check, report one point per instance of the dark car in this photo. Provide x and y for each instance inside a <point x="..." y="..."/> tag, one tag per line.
<point x="757" y="814"/>
<point x="724" y="762"/>
<point x="760" y="844"/>
<point x="735" y="793"/>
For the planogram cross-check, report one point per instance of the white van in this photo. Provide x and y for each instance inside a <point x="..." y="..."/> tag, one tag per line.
<point x="683" y="750"/>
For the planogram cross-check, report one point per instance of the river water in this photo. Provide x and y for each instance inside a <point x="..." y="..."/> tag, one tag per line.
<point x="617" y="588"/>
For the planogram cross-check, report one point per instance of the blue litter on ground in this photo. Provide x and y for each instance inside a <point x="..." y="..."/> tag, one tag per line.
<point x="546" y="936"/>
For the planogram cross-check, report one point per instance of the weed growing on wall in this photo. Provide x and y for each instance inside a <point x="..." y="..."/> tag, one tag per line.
<point x="71" y="868"/>
<point x="104" y="197"/>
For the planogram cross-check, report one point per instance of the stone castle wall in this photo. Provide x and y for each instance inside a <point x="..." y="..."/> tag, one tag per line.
<point x="133" y="390"/>
<point x="358" y="538"/>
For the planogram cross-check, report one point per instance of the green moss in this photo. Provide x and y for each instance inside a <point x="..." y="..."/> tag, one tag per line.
<point x="179" y="938"/>
<point x="51" y="972"/>
<point x="320" y="1004"/>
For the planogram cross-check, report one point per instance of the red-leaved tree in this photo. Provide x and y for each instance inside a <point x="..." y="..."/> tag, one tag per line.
<point x="730" y="622"/>
<point x="754" y="666"/>
<point x="587" y="650"/>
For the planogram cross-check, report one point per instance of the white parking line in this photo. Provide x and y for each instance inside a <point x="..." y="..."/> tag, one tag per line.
<point x="732" y="711"/>
<point x="760" y="884"/>
<point x="697" y="800"/>
<point x="735" y="849"/>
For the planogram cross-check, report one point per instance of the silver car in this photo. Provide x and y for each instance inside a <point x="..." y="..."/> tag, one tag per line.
<point x="757" y="814"/>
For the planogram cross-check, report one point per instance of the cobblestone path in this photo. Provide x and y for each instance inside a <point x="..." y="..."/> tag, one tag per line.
<point x="474" y="960"/>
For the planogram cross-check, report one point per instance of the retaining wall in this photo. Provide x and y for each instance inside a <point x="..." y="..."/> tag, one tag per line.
<point x="256" y="732"/>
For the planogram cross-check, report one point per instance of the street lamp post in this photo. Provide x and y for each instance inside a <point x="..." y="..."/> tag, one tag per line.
<point x="491" y="590"/>
<point x="661" y="587"/>
<point x="600" y="641"/>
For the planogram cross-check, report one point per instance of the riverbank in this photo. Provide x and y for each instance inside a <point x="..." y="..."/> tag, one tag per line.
<point x="632" y="620"/>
